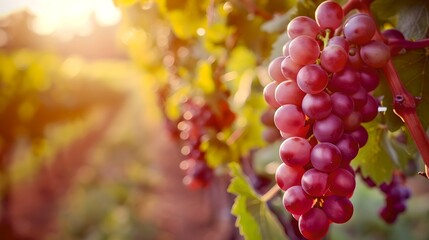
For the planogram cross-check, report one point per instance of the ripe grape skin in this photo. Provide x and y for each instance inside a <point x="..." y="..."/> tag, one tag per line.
<point x="304" y="50"/>
<point x="289" y="118"/>
<point x="370" y="110"/>
<point x="290" y="69"/>
<point x="328" y="129"/>
<point x="346" y="81"/>
<point x="339" y="41"/>
<point x="349" y="148"/>
<point x="354" y="58"/>
<point x="341" y="182"/>
<point x="269" y="93"/>
<point x="369" y="78"/>
<point x="317" y="106"/>
<point x="285" y="49"/>
<point x="375" y="54"/>
<point x="360" y="135"/>
<point x="333" y="58"/>
<point x="359" y="29"/>
<point x="312" y="79"/>
<point x="302" y="25"/>
<point x="288" y="92"/>
<point x="352" y="121"/>
<point x="329" y="15"/>
<point x="274" y="69"/>
<point x="359" y="98"/>
<point x="338" y="209"/>
<point x="295" y="151"/>
<point x="314" y="182"/>
<point x="271" y="134"/>
<point x="287" y="176"/>
<point x="342" y="104"/>
<point x="296" y="201"/>
<point x="325" y="157"/>
<point x="314" y="224"/>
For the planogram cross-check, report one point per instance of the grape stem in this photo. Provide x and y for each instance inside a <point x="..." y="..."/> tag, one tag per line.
<point x="409" y="44"/>
<point x="270" y="193"/>
<point x="404" y="103"/>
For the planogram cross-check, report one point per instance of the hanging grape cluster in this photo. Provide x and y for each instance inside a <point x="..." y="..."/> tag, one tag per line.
<point x="321" y="93"/>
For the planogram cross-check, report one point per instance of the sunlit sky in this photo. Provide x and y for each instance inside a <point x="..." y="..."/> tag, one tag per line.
<point x="64" y="17"/>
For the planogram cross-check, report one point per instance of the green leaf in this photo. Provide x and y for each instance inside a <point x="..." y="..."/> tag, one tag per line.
<point x="374" y="159"/>
<point x="414" y="20"/>
<point x="254" y="219"/>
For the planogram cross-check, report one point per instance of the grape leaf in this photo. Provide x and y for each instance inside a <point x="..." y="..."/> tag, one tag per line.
<point x="414" y="20"/>
<point x="374" y="159"/>
<point x="204" y="79"/>
<point x="254" y="219"/>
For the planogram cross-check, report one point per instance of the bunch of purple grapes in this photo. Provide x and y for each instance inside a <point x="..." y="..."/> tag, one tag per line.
<point x="321" y="94"/>
<point x="197" y="122"/>
<point x="396" y="194"/>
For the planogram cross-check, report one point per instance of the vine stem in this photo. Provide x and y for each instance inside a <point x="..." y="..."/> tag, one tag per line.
<point x="404" y="104"/>
<point x="409" y="44"/>
<point x="270" y="193"/>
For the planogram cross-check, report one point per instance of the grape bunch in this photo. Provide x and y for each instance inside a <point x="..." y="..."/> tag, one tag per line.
<point x="395" y="195"/>
<point x="321" y="94"/>
<point x="199" y="121"/>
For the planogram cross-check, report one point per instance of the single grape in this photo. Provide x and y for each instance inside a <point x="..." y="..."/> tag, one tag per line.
<point x="342" y="104"/>
<point x="296" y="201"/>
<point x="369" y="78"/>
<point x="349" y="148"/>
<point x="328" y="129"/>
<point x="359" y="98"/>
<point x="360" y="135"/>
<point x="339" y="41"/>
<point x="393" y="35"/>
<point x="370" y="110"/>
<point x="295" y="151"/>
<point x="287" y="176"/>
<point x="289" y="118"/>
<point x="317" y="106"/>
<point x="288" y="92"/>
<point x="338" y="209"/>
<point x="355" y="60"/>
<point x="267" y="117"/>
<point x="314" y="182"/>
<point x="346" y="81"/>
<point x="325" y="157"/>
<point x="333" y="58"/>
<point x="274" y="69"/>
<point x="329" y="15"/>
<point x="314" y="224"/>
<point x="285" y="49"/>
<point x="312" y="79"/>
<point x="375" y="54"/>
<point x="352" y="121"/>
<point x="271" y="134"/>
<point x="290" y="69"/>
<point x="341" y="182"/>
<point x="359" y="29"/>
<point x="302" y="25"/>
<point x="269" y="93"/>
<point x="304" y="50"/>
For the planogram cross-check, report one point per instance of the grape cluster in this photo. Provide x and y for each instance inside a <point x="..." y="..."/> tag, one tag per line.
<point x="321" y="95"/>
<point x="396" y="193"/>
<point x="198" y="121"/>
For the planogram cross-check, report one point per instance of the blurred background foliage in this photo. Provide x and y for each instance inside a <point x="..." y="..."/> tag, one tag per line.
<point x="84" y="146"/>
